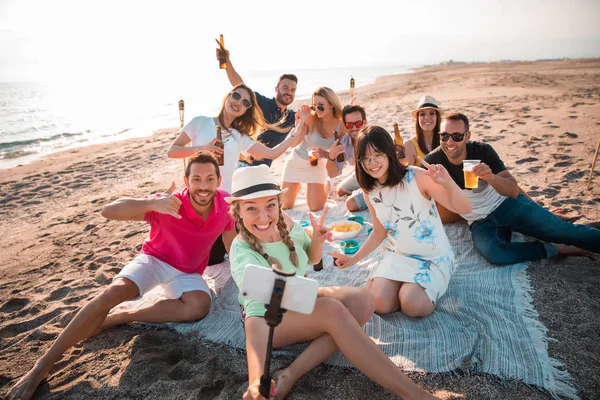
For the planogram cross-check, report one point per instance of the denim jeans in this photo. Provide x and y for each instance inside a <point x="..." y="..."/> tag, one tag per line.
<point x="492" y="235"/>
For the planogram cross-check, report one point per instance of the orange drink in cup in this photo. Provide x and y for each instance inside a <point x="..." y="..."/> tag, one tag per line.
<point x="471" y="180"/>
<point x="313" y="156"/>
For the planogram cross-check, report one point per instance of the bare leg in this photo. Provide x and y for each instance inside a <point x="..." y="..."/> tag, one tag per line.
<point x="414" y="301"/>
<point x="85" y="323"/>
<point x="360" y="304"/>
<point x="289" y="197"/>
<point x="385" y="292"/>
<point x="330" y="316"/>
<point x="316" y="196"/>
<point x="575" y="251"/>
<point x="351" y="205"/>
<point x="192" y="306"/>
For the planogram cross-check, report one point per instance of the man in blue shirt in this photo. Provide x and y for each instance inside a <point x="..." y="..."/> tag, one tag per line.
<point x="274" y="109"/>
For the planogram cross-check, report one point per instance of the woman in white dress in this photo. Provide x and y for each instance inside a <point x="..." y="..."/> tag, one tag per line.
<point x="241" y="121"/>
<point x="322" y="123"/>
<point x="416" y="261"/>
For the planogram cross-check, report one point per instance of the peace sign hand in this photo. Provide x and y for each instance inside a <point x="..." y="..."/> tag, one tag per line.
<point x="320" y="231"/>
<point x="437" y="172"/>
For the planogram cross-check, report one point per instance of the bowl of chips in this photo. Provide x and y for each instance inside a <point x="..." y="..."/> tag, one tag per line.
<point x="344" y="229"/>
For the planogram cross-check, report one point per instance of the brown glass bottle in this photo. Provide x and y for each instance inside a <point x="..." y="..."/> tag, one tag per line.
<point x="399" y="142"/>
<point x="340" y="156"/>
<point x="222" y="56"/>
<point x="220" y="157"/>
<point x="318" y="266"/>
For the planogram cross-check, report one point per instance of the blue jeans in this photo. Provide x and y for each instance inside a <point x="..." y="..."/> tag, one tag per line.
<point x="492" y="235"/>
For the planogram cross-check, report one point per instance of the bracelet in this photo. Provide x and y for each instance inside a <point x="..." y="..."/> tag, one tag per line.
<point x="331" y="159"/>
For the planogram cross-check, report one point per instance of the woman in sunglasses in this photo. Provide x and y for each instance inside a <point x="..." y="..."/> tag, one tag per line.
<point x="322" y="124"/>
<point x="241" y="121"/>
<point x="417" y="260"/>
<point x="427" y="127"/>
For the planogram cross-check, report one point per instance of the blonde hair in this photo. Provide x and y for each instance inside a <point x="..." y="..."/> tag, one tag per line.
<point x="252" y="122"/>
<point x="335" y="102"/>
<point x="253" y="241"/>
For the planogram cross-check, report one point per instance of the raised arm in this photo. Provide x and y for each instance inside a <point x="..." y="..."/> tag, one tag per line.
<point x="232" y="75"/>
<point x="180" y="149"/>
<point x="435" y="182"/>
<point x="293" y="139"/>
<point x="128" y="209"/>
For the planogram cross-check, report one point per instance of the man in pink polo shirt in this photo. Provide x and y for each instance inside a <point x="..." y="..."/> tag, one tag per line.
<point x="183" y="228"/>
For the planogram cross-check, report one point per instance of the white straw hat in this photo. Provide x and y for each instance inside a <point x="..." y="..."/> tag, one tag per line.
<point x="427" y="102"/>
<point x="252" y="183"/>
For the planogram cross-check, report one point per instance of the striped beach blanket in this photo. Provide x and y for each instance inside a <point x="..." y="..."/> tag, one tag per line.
<point x="484" y="323"/>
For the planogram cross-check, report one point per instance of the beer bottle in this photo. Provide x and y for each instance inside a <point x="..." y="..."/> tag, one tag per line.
<point x="222" y="56"/>
<point x="398" y="142"/>
<point x="351" y="87"/>
<point x="340" y="156"/>
<point x="318" y="266"/>
<point x="220" y="157"/>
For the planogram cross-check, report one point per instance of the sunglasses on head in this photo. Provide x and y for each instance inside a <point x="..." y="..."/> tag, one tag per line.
<point x="456" y="136"/>
<point x="320" y="107"/>
<point x="245" y="102"/>
<point x="357" y="124"/>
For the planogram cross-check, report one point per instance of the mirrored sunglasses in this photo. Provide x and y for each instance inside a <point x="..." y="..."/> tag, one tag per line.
<point x="357" y="124"/>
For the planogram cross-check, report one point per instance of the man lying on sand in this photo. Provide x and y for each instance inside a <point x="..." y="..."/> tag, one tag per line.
<point x="498" y="206"/>
<point x="183" y="227"/>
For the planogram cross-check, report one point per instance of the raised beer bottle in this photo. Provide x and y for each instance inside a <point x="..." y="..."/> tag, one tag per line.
<point x="351" y="87"/>
<point x="399" y="142"/>
<point x="220" y="157"/>
<point x="340" y="156"/>
<point x="222" y="56"/>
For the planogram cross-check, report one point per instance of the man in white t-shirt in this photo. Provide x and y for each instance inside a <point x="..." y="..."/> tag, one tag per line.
<point x="498" y="207"/>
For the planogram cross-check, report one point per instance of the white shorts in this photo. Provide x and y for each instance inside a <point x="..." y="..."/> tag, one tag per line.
<point x="147" y="272"/>
<point x="298" y="170"/>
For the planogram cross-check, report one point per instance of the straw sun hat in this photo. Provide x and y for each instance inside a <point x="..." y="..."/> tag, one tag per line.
<point x="426" y="102"/>
<point x="252" y="183"/>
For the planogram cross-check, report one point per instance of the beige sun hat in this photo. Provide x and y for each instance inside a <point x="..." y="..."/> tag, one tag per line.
<point x="252" y="183"/>
<point x="427" y="102"/>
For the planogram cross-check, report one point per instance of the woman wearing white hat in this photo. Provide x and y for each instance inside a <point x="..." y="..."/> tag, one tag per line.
<point x="268" y="236"/>
<point x="427" y="128"/>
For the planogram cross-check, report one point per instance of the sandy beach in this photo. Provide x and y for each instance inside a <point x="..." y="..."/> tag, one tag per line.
<point x="57" y="252"/>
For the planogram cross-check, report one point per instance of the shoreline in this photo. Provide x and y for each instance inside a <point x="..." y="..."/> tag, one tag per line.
<point x="59" y="252"/>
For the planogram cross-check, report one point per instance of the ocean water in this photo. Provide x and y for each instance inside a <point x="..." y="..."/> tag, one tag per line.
<point x="39" y="118"/>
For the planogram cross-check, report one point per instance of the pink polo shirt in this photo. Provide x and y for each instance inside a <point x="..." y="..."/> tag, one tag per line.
<point x="185" y="243"/>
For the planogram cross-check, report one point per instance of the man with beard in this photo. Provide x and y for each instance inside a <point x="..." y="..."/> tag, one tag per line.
<point x="498" y="207"/>
<point x="355" y="119"/>
<point x="274" y="109"/>
<point x="183" y="227"/>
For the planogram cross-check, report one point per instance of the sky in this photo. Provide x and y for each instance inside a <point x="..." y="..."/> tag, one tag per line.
<point x="157" y="40"/>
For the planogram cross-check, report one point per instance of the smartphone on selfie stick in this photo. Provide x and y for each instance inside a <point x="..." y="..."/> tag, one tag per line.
<point x="278" y="291"/>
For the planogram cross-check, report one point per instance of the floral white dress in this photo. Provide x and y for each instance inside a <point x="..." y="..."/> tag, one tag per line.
<point x="416" y="248"/>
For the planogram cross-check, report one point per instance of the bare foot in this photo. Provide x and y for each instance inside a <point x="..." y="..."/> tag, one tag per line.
<point x="575" y="251"/>
<point x="26" y="386"/>
<point x="560" y="212"/>
<point x="284" y="383"/>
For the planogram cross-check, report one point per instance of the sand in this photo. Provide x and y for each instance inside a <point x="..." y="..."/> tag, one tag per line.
<point x="57" y="252"/>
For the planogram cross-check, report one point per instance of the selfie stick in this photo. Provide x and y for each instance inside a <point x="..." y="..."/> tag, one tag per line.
<point x="273" y="317"/>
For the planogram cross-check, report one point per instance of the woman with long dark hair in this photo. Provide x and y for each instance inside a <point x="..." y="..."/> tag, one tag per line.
<point x="427" y="128"/>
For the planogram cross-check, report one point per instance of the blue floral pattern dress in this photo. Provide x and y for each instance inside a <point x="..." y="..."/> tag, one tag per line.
<point x="416" y="248"/>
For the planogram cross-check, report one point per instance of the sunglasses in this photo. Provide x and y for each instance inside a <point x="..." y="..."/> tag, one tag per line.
<point x="320" y="107"/>
<point x="457" y="136"/>
<point x="357" y="124"/>
<point x="245" y="102"/>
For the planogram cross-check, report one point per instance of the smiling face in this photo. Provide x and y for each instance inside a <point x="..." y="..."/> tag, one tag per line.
<point x="455" y="151"/>
<point x="353" y="117"/>
<point x="427" y="119"/>
<point x="322" y="101"/>
<point x="235" y="108"/>
<point x="260" y="217"/>
<point x="202" y="185"/>
<point x="376" y="164"/>
<point x="286" y="92"/>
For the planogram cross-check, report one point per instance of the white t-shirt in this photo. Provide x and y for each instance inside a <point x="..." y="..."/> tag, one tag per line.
<point x="201" y="130"/>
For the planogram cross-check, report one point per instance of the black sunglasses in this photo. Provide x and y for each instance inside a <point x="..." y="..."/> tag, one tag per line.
<point x="245" y="102"/>
<point x="457" y="136"/>
<point x="320" y="107"/>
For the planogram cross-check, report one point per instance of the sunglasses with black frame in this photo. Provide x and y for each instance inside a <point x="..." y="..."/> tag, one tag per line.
<point x="320" y="107"/>
<point x="456" y="136"/>
<point x="245" y="102"/>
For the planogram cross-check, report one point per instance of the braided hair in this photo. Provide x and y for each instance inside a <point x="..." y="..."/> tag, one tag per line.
<point x="255" y="244"/>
